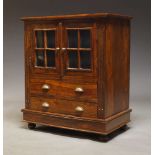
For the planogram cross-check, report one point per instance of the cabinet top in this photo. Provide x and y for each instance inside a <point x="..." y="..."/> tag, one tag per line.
<point x="76" y="16"/>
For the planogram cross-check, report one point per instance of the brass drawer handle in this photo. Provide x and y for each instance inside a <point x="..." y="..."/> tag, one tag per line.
<point x="79" y="90"/>
<point x="46" y="87"/>
<point x="45" y="105"/>
<point x="79" y="109"/>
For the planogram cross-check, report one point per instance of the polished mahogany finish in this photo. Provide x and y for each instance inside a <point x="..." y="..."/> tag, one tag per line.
<point x="77" y="71"/>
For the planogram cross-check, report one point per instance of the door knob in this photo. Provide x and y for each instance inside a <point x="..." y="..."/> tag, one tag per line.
<point x="63" y="49"/>
<point x="57" y="48"/>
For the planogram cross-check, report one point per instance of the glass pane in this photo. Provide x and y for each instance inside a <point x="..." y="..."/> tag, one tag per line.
<point x="40" y="58"/>
<point x="72" y="38"/>
<point x="85" y="59"/>
<point x="50" y="39"/>
<point x="40" y="39"/>
<point x="50" y="58"/>
<point x="85" y="38"/>
<point x="73" y="59"/>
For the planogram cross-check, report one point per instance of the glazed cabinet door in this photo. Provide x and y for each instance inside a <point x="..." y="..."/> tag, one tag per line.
<point x="64" y="50"/>
<point x="79" y="49"/>
<point x="45" y="52"/>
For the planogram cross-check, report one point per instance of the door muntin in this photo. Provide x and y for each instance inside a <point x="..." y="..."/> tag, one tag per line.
<point x="79" y="49"/>
<point x="64" y="49"/>
<point x="45" y="48"/>
<point x="45" y="57"/>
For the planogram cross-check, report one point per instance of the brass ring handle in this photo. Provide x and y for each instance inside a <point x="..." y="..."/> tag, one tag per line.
<point x="46" y="87"/>
<point x="79" y="109"/>
<point x="45" y="105"/>
<point x="79" y="90"/>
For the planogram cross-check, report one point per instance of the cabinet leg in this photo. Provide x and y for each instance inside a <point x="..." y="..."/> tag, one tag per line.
<point x="31" y="125"/>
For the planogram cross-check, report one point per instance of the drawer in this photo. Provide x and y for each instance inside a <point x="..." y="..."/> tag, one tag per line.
<point x="64" y="90"/>
<point x="75" y="108"/>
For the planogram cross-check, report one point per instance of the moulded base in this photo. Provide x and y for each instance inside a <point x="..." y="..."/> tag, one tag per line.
<point x="98" y="126"/>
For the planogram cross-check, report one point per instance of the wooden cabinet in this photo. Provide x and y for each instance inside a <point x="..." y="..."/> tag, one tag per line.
<point x="77" y="71"/>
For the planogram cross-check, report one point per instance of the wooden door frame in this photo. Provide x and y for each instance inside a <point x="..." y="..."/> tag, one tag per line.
<point x="42" y="70"/>
<point x="81" y="25"/>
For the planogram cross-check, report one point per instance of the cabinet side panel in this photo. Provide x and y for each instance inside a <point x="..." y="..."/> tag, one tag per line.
<point x="117" y="65"/>
<point x="27" y="47"/>
<point x="101" y="43"/>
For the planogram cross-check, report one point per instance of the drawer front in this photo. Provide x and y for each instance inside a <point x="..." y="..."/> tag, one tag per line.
<point x="75" y="108"/>
<point x="64" y="90"/>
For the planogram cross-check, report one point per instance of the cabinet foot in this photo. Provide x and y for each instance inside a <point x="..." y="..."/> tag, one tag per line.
<point x="104" y="138"/>
<point x="124" y="128"/>
<point x="31" y="125"/>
